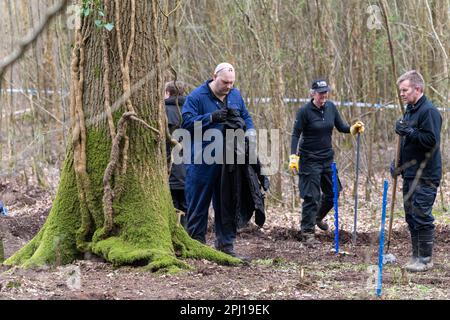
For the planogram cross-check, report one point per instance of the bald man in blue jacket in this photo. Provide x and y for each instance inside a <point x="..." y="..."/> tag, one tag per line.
<point x="207" y="106"/>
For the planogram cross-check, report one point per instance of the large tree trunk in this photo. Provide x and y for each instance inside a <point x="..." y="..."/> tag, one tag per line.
<point x="113" y="198"/>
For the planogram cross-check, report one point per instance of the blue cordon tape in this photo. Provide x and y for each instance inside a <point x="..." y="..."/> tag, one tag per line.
<point x="381" y="249"/>
<point x="336" y="208"/>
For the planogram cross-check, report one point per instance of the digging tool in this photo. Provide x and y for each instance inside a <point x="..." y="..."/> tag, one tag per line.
<point x="394" y="189"/>
<point x="383" y="6"/>
<point x="381" y="249"/>
<point x="336" y="208"/>
<point x="355" y="219"/>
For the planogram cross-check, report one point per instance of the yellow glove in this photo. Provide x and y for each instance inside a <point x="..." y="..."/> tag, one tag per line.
<point x="293" y="162"/>
<point x="358" y="127"/>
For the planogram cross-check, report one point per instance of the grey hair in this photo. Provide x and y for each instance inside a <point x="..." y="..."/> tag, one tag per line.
<point x="414" y="77"/>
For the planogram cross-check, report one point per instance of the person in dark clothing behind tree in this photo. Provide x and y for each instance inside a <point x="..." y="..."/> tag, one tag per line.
<point x="174" y="100"/>
<point x="312" y="158"/>
<point x="420" y="166"/>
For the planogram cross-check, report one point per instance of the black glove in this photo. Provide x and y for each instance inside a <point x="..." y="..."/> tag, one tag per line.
<point x="219" y="115"/>
<point x="402" y="129"/>
<point x="266" y="183"/>
<point x="394" y="171"/>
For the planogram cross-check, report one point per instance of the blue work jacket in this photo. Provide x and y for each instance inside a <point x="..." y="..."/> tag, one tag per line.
<point x="201" y="102"/>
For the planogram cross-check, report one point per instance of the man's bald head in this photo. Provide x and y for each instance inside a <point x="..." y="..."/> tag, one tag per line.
<point x="223" y="67"/>
<point x="223" y="79"/>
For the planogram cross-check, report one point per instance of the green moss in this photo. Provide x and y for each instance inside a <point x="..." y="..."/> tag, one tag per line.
<point x="26" y="252"/>
<point x="142" y="218"/>
<point x="146" y="229"/>
<point x="55" y="242"/>
<point x="167" y="264"/>
<point x="98" y="154"/>
<point x="190" y="248"/>
<point x="13" y="285"/>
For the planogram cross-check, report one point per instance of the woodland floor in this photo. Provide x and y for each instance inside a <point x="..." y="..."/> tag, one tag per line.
<point x="281" y="266"/>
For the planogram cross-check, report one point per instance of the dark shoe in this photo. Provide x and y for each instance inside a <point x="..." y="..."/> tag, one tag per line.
<point x="309" y="239"/>
<point x="230" y="251"/>
<point x="322" y="225"/>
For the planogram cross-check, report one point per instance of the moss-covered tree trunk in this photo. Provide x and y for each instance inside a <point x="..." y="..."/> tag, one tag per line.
<point x="113" y="198"/>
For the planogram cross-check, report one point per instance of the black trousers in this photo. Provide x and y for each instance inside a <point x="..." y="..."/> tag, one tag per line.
<point x="418" y="203"/>
<point x="179" y="202"/>
<point x="316" y="190"/>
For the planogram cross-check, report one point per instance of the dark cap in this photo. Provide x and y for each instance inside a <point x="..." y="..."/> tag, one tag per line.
<point x="320" y="85"/>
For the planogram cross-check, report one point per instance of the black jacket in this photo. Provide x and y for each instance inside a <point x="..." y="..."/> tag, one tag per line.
<point x="316" y="127"/>
<point x="241" y="185"/>
<point x="423" y="144"/>
<point x="178" y="171"/>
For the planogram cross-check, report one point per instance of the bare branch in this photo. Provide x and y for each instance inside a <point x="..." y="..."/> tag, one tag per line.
<point x="31" y="37"/>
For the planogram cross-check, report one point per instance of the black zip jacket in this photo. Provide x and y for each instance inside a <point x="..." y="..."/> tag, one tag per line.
<point x="177" y="172"/>
<point x="423" y="144"/>
<point x="241" y="185"/>
<point x="316" y="127"/>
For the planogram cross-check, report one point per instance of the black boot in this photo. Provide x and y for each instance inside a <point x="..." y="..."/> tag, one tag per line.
<point x="325" y="207"/>
<point x="424" y="261"/>
<point x="415" y="249"/>
<point x="229" y="249"/>
<point x="309" y="239"/>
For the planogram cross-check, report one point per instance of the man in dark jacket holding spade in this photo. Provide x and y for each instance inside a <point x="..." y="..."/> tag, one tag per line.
<point x="420" y="166"/>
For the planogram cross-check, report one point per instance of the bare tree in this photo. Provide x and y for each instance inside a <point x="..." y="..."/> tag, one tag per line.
<point x="113" y="198"/>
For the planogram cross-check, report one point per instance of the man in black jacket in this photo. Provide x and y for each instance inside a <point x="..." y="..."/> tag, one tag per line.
<point x="420" y="166"/>
<point x="313" y="156"/>
<point x="174" y="100"/>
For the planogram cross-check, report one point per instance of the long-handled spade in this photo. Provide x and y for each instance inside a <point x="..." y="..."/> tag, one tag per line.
<point x="355" y="219"/>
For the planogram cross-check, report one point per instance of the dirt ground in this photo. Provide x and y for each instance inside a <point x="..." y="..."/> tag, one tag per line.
<point x="281" y="267"/>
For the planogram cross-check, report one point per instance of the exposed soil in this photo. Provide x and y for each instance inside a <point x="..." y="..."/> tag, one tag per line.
<point x="281" y="266"/>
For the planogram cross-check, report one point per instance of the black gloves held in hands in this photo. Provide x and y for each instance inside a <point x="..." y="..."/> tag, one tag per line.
<point x="219" y="115"/>
<point x="402" y="128"/>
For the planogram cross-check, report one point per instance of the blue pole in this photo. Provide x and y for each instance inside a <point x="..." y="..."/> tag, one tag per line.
<point x="336" y="208"/>
<point x="381" y="249"/>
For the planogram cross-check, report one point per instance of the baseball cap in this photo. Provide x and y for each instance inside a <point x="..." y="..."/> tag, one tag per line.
<point x="320" y="85"/>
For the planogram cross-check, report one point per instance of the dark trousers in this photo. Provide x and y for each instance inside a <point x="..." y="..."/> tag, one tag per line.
<point x="418" y="204"/>
<point x="202" y="184"/>
<point x="179" y="202"/>
<point x="316" y="190"/>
